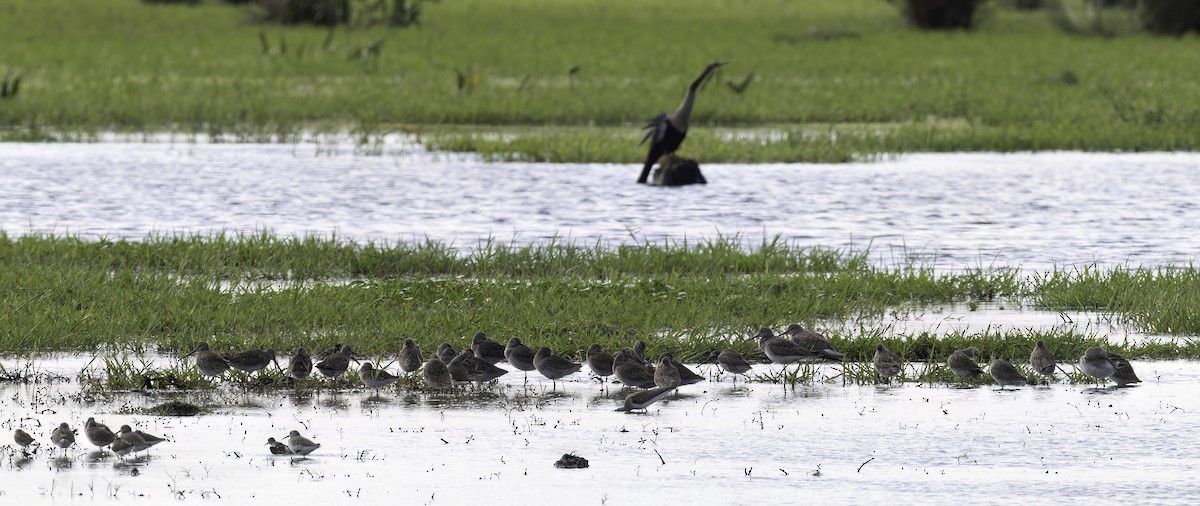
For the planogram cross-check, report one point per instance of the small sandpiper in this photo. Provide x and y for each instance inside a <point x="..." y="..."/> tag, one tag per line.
<point x="810" y="341"/>
<point x="666" y="375"/>
<point x="963" y="365"/>
<point x="599" y="361"/>
<point x="519" y="356"/>
<point x="410" y="356"/>
<point x="446" y="352"/>
<point x="252" y="360"/>
<point x="1006" y="374"/>
<point x="887" y="363"/>
<point x="22" y="438"/>
<point x="300" y="445"/>
<point x="375" y="378"/>
<point x="644" y="398"/>
<point x="486" y="349"/>
<point x="122" y="447"/>
<point x="207" y="361"/>
<point x="630" y="371"/>
<point x="436" y="374"/>
<point x="97" y="433"/>
<point x="1095" y="363"/>
<point x="301" y="364"/>
<point x="553" y="366"/>
<point x="1042" y="359"/>
<point x="732" y="362"/>
<point x="63" y="437"/>
<point x="278" y="448"/>
<point x="136" y="442"/>
<point x="336" y="364"/>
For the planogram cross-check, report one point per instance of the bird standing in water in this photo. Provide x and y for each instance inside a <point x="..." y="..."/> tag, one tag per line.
<point x="667" y="130"/>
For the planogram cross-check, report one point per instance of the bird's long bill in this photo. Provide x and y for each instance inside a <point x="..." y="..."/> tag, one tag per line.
<point x="193" y="352"/>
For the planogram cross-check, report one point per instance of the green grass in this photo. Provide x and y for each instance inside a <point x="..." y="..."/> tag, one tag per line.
<point x="820" y="66"/>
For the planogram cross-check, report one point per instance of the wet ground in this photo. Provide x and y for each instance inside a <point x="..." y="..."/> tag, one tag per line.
<point x="1034" y="211"/>
<point x="718" y="442"/>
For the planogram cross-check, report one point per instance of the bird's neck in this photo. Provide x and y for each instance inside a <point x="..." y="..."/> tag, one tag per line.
<point x="679" y="118"/>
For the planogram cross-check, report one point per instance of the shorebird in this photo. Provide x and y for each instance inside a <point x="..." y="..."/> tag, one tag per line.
<point x="478" y="369"/>
<point x="122" y="447"/>
<point x="335" y="364"/>
<point x="812" y="342"/>
<point x="963" y="365"/>
<point x="300" y="445"/>
<point x="22" y="438"/>
<point x="644" y="398"/>
<point x="666" y="375"/>
<point x="410" y="356"/>
<point x="686" y="376"/>
<point x="731" y="361"/>
<point x="519" y="356"/>
<point x="329" y="351"/>
<point x="459" y="367"/>
<point x="486" y="349"/>
<point x="446" y="352"/>
<point x="1095" y="363"/>
<point x="887" y="363"/>
<point x="375" y="378"/>
<point x="779" y="349"/>
<point x="1042" y="359"/>
<point x="63" y="437"/>
<point x="436" y="374"/>
<point x="639" y="351"/>
<point x="97" y="433"/>
<point x="128" y="437"/>
<point x="252" y="360"/>
<point x="630" y="371"/>
<point x="1124" y="374"/>
<point x="301" y="364"/>
<point x="553" y="366"/>
<point x="207" y="361"/>
<point x="600" y="362"/>
<point x="278" y="448"/>
<point x="149" y="439"/>
<point x="1006" y="374"/>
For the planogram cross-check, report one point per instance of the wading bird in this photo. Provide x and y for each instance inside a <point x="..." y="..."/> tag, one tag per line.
<point x="667" y="130"/>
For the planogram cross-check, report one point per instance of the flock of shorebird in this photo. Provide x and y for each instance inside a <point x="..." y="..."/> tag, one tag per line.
<point x="629" y="366"/>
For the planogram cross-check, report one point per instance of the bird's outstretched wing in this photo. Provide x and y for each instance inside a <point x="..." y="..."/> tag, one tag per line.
<point x="655" y="128"/>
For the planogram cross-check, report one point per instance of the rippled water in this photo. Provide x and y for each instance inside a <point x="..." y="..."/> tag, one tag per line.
<point x="1028" y="210"/>
<point x="718" y="443"/>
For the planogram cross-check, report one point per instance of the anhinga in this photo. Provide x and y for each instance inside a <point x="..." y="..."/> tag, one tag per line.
<point x="666" y="131"/>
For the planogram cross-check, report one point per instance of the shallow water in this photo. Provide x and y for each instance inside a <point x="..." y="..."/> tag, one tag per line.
<point x="960" y="210"/>
<point x="722" y="443"/>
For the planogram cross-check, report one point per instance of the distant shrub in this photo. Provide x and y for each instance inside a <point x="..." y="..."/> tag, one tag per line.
<point x="940" y="14"/>
<point x="1170" y="17"/>
<point x="360" y="13"/>
<point x="1120" y="17"/>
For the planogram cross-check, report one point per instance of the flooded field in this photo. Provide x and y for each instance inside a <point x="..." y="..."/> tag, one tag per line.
<point x="1033" y="211"/>
<point x="718" y="442"/>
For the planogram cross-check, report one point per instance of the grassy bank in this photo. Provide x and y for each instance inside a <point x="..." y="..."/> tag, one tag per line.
<point x="167" y="293"/>
<point x="849" y="67"/>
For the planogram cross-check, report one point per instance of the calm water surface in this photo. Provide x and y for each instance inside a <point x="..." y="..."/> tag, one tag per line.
<point x="1028" y="210"/>
<point x="722" y="443"/>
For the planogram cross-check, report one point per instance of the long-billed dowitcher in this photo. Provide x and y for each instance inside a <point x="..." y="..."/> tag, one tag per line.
<point x="97" y="433"/>
<point x="459" y="369"/>
<point x="63" y="436"/>
<point x="1042" y="359"/>
<point x="478" y="369"/>
<point x="410" y="356"/>
<point x="519" y="356"/>
<point x="814" y="343"/>
<point x="639" y="351"/>
<point x="644" y="398"/>
<point x="1124" y="374"/>
<point x="553" y="366"/>
<point x="375" y="378"/>
<point x="446" y="352"/>
<point x="149" y="439"/>
<point x="1006" y="374"/>
<point x="136" y="441"/>
<point x="436" y="374"/>
<point x="486" y="349"/>
<point x="22" y="438"/>
<point x="630" y="371"/>
<point x="666" y="375"/>
<point x="887" y="363"/>
<point x="122" y="447"/>
<point x="207" y="361"/>
<point x="278" y="448"/>
<point x="963" y="364"/>
<point x="599" y="361"/>
<point x="300" y="445"/>
<point x="780" y="349"/>
<point x="336" y="364"/>
<point x="301" y="364"/>
<point x="731" y="361"/>
<point x="252" y="360"/>
<point x="1095" y="363"/>
<point x="686" y="375"/>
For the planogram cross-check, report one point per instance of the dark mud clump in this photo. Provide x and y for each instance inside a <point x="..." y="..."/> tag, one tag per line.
<point x="571" y="461"/>
<point x="174" y="408"/>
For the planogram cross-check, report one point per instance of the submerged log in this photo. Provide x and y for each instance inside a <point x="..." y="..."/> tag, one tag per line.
<point x="673" y="171"/>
